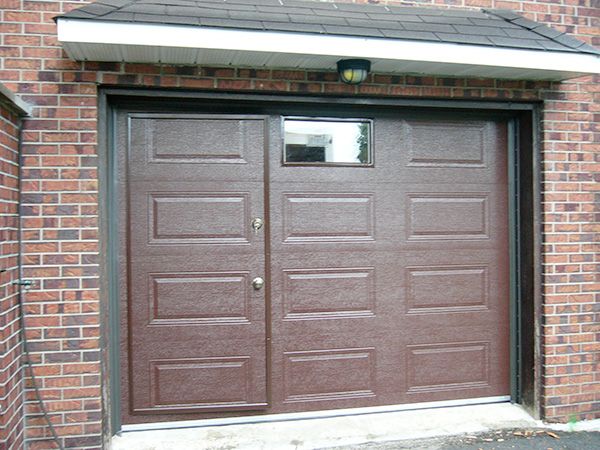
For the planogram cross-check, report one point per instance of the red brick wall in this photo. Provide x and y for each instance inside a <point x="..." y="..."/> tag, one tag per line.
<point x="11" y="378"/>
<point x="60" y="199"/>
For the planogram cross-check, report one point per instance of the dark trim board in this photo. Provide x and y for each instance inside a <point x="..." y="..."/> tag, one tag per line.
<point x="529" y="251"/>
<point x="131" y="94"/>
<point x="514" y="257"/>
<point x="524" y="178"/>
<point x="108" y="267"/>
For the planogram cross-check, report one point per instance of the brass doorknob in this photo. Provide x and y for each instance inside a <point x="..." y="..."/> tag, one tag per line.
<point x="258" y="283"/>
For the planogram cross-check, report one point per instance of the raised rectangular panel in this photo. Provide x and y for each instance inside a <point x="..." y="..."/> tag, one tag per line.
<point x="196" y="218"/>
<point x="328" y="293"/>
<point x="196" y="140"/>
<point x="329" y="374"/>
<point x="328" y="217"/>
<point x="200" y="382"/>
<point x="448" y="216"/>
<point x="198" y="298"/>
<point x="446" y="289"/>
<point x="446" y="145"/>
<point x="447" y="366"/>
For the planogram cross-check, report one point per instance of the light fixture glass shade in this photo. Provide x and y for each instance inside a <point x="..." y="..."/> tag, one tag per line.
<point x="353" y="71"/>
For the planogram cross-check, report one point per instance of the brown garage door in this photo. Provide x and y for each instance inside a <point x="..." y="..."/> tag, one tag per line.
<point x="386" y="278"/>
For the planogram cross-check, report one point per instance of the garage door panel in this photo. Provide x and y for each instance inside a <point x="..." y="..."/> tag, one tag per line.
<point x="348" y="373"/>
<point x="193" y="300"/>
<point x="199" y="297"/>
<point x="228" y="215"/>
<point x="224" y="147"/>
<point x="450" y="337"/>
<point x="434" y="367"/>
<point x="168" y="366"/>
<point x="447" y="289"/>
<point x="331" y="217"/>
<point x="328" y="293"/>
<point x="446" y="144"/>
<point x="447" y="151"/>
<point x="329" y="374"/>
<point x="456" y="283"/>
<point x="452" y="217"/>
<point x="199" y="383"/>
<point x="313" y="215"/>
<point x="163" y="217"/>
<point x="335" y="289"/>
<point x="455" y="369"/>
<point x="196" y="293"/>
<point x="448" y="216"/>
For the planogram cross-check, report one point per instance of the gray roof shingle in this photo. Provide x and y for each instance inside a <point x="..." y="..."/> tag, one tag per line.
<point x="501" y="28"/>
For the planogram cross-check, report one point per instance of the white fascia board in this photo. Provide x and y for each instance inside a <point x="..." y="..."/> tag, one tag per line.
<point x="117" y="34"/>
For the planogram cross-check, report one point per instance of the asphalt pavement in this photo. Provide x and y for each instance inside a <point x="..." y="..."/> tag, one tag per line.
<point x="525" y="439"/>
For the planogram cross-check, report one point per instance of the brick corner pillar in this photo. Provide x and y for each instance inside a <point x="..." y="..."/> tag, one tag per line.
<point x="11" y="357"/>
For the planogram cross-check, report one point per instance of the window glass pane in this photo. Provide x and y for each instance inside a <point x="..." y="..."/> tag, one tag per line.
<point x="311" y="141"/>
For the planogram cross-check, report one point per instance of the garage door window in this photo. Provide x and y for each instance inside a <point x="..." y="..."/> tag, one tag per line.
<point x="309" y="141"/>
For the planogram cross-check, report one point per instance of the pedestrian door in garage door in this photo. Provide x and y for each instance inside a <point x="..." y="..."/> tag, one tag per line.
<point x="266" y="268"/>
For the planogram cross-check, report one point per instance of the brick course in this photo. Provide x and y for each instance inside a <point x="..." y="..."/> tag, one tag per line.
<point x="60" y="205"/>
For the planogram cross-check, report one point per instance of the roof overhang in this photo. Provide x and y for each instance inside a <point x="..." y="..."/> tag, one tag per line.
<point x="89" y="40"/>
<point x="23" y="109"/>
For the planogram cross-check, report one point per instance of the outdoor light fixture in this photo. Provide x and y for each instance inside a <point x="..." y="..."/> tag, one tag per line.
<point x="353" y="71"/>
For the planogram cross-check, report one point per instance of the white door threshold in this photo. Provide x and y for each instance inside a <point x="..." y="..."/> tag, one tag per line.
<point x="314" y="433"/>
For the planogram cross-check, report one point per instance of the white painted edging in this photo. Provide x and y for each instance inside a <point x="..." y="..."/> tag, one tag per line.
<point x="121" y="41"/>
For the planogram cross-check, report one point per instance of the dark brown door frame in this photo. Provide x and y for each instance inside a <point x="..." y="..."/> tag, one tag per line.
<point x="525" y="212"/>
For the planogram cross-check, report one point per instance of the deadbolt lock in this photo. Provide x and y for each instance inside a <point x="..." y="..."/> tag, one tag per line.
<point x="258" y="283"/>
<point x="257" y="224"/>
